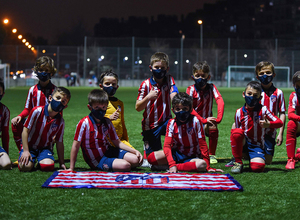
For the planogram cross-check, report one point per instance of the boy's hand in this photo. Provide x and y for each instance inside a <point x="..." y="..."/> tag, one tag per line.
<point x="16" y="120"/>
<point x="25" y="158"/>
<point x="279" y="140"/>
<point x="265" y="123"/>
<point x="139" y="156"/>
<point x="211" y="121"/>
<point x="152" y="94"/>
<point x="173" y="170"/>
<point x="115" y="115"/>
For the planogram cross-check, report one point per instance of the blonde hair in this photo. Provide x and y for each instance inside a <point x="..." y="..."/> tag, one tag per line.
<point x="159" y="56"/>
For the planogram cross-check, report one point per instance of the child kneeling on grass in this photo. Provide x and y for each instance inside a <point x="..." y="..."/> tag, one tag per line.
<point x="91" y="135"/>
<point x="251" y="122"/>
<point x="185" y="148"/>
<point x="43" y="126"/>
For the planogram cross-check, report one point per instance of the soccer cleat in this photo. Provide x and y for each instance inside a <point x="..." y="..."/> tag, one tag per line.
<point x="290" y="165"/>
<point x="237" y="168"/>
<point x="230" y="163"/>
<point x="212" y="159"/>
<point x="297" y="156"/>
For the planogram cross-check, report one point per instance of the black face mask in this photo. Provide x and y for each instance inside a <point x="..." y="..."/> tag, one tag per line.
<point x="110" y="90"/>
<point x="159" y="73"/>
<point x="43" y="76"/>
<point x="200" y="82"/>
<point x="99" y="114"/>
<point x="182" y="116"/>
<point x="251" y="101"/>
<point x="56" y="106"/>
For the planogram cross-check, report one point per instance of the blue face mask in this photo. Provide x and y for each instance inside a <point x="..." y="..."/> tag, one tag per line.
<point x="265" y="79"/>
<point x="99" y="114"/>
<point x="251" y="101"/>
<point x="56" y="106"/>
<point x="159" y="73"/>
<point x="182" y="116"/>
<point x="200" y="82"/>
<point x="43" y="76"/>
<point x="110" y="90"/>
<point x="297" y="90"/>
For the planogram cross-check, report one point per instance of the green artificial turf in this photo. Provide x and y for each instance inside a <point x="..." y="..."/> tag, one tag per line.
<point x="273" y="194"/>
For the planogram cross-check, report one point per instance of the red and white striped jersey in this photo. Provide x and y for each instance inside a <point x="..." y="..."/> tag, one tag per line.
<point x="43" y="128"/>
<point x="93" y="138"/>
<point x="4" y="126"/>
<point x="273" y="99"/>
<point x="294" y="107"/>
<point x="248" y="120"/>
<point x="203" y="101"/>
<point x="187" y="138"/>
<point x="159" y="110"/>
<point x="37" y="96"/>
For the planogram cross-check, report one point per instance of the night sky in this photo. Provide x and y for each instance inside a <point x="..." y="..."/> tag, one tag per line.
<point x="48" y="18"/>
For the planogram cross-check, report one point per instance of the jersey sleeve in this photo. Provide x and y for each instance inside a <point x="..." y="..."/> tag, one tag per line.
<point x="275" y="122"/>
<point x="32" y="117"/>
<point x="143" y="91"/>
<point x="237" y="119"/>
<point x="80" y="128"/>
<point x="293" y="100"/>
<point x="28" y="104"/>
<point x="220" y="104"/>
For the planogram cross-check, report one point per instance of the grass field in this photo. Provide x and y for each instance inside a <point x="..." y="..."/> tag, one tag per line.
<point x="273" y="194"/>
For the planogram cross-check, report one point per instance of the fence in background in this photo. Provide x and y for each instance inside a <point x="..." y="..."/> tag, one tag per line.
<point x="130" y="57"/>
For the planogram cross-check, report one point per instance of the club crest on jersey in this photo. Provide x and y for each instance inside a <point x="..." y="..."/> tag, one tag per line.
<point x="54" y="127"/>
<point x="190" y="130"/>
<point x="273" y="98"/>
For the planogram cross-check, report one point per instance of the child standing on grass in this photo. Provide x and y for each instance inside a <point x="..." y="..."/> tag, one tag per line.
<point x="44" y="126"/>
<point x="115" y="109"/>
<point x="154" y="97"/>
<point x="37" y="95"/>
<point x="185" y="146"/>
<point x="203" y="95"/>
<point x="91" y="135"/>
<point x="251" y="123"/>
<point x="293" y="128"/>
<point x="5" y="162"/>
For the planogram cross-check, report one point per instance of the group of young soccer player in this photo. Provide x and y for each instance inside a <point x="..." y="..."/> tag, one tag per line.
<point x="103" y="138"/>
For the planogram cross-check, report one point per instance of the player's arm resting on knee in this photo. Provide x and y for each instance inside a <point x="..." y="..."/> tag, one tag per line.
<point x="204" y="121"/>
<point x="292" y="115"/>
<point x="26" y="156"/>
<point x="168" y="152"/>
<point x="123" y="146"/>
<point x="74" y="152"/>
<point x="60" y="153"/>
<point x="274" y="121"/>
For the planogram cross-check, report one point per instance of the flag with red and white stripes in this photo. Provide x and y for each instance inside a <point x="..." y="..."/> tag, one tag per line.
<point x="130" y="180"/>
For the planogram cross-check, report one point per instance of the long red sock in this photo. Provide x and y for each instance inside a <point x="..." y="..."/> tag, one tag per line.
<point x="213" y="135"/>
<point x="257" y="167"/>
<point x="152" y="159"/>
<point x="187" y="166"/>
<point x="236" y="138"/>
<point x="291" y="138"/>
<point x="47" y="167"/>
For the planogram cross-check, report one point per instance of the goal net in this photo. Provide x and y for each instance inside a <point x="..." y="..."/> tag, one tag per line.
<point x="4" y="74"/>
<point x="239" y="76"/>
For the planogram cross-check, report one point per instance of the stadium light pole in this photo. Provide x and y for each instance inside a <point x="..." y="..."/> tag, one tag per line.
<point x="200" y="22"/>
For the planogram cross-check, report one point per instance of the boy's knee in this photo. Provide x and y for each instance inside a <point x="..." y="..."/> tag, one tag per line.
<point x="201" y="165"/>
<point x="25" y="168"/>
<point x="237" y="134"/>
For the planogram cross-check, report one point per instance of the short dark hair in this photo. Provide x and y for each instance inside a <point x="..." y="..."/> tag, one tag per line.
<point x="63" y="90"/>
<point x="255" y="85"/>
<point x="45" y="63"/>
<point x="296" y="77"/>
<point x="201" y="65"/>
<point x="183" y="99"/>
<point x="97" y="96"/>
<point x="108" y="73"/>
<point x="262" y="64"/>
